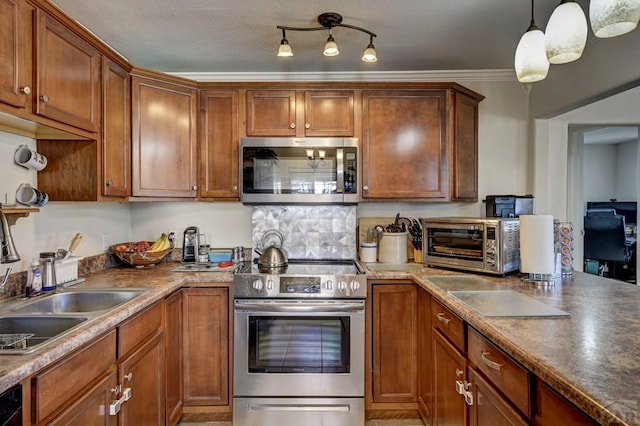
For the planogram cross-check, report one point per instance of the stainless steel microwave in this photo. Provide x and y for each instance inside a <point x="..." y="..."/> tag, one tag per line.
<point x="299" y="170"/>
<point x="488" y="245"/>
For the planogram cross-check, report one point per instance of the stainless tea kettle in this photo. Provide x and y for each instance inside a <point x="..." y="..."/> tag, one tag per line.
<point x="9" y="253"/>
<point x="272" y="258"/>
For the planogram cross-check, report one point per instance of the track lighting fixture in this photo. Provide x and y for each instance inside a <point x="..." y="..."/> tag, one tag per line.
<point x="328" y="21"/>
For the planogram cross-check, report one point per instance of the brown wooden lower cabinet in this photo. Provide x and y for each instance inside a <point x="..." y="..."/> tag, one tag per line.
<point x="449" y="366"/>
<point x="394" y="343"/>
<point x="553" y="409"/>
<point x="425" y="356"/>
<point x="488" y="407"/>
<point x="206" y="343"/>
<point x="173" y="358"/>
<point x="93" y="408"/>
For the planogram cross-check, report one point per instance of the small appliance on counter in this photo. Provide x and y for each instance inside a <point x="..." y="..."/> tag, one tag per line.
<point x="190" y="245"/>
<point x="508" y="205"/>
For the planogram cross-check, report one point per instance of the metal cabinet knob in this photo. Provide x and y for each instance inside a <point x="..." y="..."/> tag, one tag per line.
<point x="307" y="126"/>
<point x="128" y="377"/>
<point x="234" y="187"/>
<point x="108" y="182"/>
<point x="194" y="188"/>
<point x="365" y="188"/>
<point x="292" y="125"/>
<point x="44" y="98"/>
<point x="26" y="90"/>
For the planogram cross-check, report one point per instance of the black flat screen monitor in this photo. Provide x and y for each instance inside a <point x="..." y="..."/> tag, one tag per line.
<point x="629" y="209"/>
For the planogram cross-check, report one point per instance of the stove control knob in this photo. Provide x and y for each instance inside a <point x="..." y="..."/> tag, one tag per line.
<point x="328" y="285"/>
<point x="342" y="286"/>
<point x="257" y="284"/>
<point x="355" y="285"/>
<point x="270" y="284"/>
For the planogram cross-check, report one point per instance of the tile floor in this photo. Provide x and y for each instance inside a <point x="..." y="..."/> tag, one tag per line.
<point x="403" y="422"/>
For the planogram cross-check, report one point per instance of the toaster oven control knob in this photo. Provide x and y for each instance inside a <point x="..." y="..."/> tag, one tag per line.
<point x="270" y="284"/>
<point x="342" y="286"/>
<point x="257" y="284"/>
<point x="328" y="285"/>
<point x="491" y="261"/>
<point x="491" y="251"/>
<point x="355" y="285"/>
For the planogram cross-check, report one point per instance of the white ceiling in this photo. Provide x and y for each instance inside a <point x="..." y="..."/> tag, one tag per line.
<point x="240" y="36"/>
<point x="611" y="135"/>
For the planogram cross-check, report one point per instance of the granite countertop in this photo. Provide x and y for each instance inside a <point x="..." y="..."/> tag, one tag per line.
<point x="591" y="357"/>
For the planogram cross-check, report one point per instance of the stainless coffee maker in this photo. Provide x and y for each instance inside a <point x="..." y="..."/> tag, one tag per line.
<point x="9" y="252"/>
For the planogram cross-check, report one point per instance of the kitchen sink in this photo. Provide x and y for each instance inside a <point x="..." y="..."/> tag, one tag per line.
<point x="26" y="333"/>
<point x="77" y="301"/>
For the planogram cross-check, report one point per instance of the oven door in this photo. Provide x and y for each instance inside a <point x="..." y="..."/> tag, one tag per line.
<point x="461" y="245"/>
<point x="299" y="348"/>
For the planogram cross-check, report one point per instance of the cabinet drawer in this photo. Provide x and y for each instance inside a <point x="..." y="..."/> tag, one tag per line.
<point x="512" y="379"/>
<point x="448" y="323"/>
<point x="138" y="329"/>
<point x="58" y="384"/>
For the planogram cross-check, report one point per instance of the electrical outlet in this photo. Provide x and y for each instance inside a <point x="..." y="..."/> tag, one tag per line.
<point x="106" y="242"/>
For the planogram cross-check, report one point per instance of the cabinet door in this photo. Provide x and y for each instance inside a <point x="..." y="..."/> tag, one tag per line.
<point x="93" y="408"/>
<point x="395" y="345"/>
<point x="488" y="407"/>
<point x="142" y="372"/>
<point x="116" y="130"/>
<point x="67" y="75"/>
<point x="173" y="358"/>
<point x="328" y="113"/>
<point x="206" y="346"/>
<point x="405" y="145"/>
<point x="448" y="367"/>
<point x="219" y="144"/>
<point x="164" y="139"/>
<point x="465" y="157"/>
<point x="554" y="409"/>
<point x="15" y="51"/>
<point x="425" y="368"/>
<point x="271" y="113"/>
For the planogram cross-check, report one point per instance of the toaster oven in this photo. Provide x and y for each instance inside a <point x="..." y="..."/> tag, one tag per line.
<point x="486" y="245"/>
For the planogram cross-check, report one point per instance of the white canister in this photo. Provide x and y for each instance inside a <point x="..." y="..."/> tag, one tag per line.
<point x="368" y="252"/>
<point x="393" y="247"/>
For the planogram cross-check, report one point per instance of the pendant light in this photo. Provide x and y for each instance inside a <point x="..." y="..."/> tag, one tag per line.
<point x="285" y="49"/>
<point x="566" y="33"/>
<point x="611" y="18"/>
<point x="369" y="54"/>
<point x="330" y="47"/>
<point x="531" y="62"/>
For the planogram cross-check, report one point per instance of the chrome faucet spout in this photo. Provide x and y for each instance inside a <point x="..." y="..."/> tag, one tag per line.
<point x="9" y="253"/>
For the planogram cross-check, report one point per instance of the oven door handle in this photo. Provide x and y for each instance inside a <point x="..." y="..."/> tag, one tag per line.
<point x="301" y="407"/>
<point x="307" y="307"/>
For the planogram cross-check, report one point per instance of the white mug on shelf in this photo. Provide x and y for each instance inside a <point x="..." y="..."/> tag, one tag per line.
<point x="30" y="196"/>
<point x="30" y="158"/>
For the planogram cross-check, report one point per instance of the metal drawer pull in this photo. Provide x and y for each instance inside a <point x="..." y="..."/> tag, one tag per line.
<point x="468" y="398"/>
<point x="491" y="364"/>
<point x="293" y="407"/>
<point x="442" y="318"/>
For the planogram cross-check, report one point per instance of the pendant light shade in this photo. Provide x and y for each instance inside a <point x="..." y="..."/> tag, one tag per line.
<point x="566" y="33"/>
<point x="369" y="54"/>
<point x="531" y="62"/>
<point x="611" y="18"/>
<point x="285" y="48"/>
<point x="531" y="59"/>
<point x="330" y="47"/>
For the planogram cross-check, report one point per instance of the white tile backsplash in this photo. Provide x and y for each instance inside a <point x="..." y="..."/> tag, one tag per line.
<point x="309" y="232"/>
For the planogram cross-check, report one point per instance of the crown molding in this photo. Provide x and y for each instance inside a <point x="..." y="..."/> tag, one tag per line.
<point x="409" y="76"/>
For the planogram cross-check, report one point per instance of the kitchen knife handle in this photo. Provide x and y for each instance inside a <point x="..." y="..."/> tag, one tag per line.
<point x="75" y="241"/>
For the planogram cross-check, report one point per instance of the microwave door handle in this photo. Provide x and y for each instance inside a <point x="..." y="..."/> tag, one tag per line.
<point x="339" y="170"/>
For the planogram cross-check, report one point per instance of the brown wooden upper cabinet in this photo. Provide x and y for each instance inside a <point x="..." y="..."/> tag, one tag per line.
<point x="218" y="161"/>
<point x="67" y="75"/>
<point x="300" y="113"/>
<point x="15" y="50"/>
<point x="163" y="120"/>
<point x="419" y="145"/>
<point x="116" y="130"/>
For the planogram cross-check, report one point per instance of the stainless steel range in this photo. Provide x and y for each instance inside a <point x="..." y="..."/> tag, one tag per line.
<point x="299" y="345"/>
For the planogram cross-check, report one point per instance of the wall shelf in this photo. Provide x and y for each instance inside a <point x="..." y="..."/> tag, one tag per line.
<point x="14" y="213"/>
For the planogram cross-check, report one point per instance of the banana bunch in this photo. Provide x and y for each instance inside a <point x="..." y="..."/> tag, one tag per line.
<point x="161" y="244"/>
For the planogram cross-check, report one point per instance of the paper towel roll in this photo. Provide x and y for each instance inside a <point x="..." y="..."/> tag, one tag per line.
<point x="536" y="244"/>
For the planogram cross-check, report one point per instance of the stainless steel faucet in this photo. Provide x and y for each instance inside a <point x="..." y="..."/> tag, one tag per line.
<point x="9" y="253"/>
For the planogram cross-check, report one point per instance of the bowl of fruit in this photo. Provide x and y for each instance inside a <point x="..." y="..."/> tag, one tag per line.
<point x="143" y="253"/>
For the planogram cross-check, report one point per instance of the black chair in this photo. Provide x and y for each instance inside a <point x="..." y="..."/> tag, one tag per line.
<point x="605" y="242"/>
